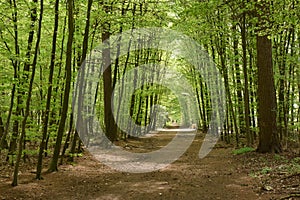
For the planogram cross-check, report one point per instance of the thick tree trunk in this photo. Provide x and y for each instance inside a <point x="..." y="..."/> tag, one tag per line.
<point x="110" y="124"/>
<point x="268" y="137"/>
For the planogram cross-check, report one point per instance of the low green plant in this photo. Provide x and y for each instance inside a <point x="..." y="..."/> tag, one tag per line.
<point x="278" y="157"/>
<point x="296" y="160"/>
<point x="266" y="170"/>
<point x="243" y="150"/>
<point x="294" y="167"/>
<point x="253" y="174"/>
<point x="281" y="158"/>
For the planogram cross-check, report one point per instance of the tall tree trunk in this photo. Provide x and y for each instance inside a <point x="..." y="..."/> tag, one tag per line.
<point x="246" y="87"/>
<point x="238" y="82"/>
<point x="82" y="85"/>
<point x="253" y="98"/>
<point x="110" y="124"/>
<point x="268" y="136"/>
<point x="68" y="68"/>
<point x="24" y="77"/>
<point x="49" y="93"/>
<point x="27" y="108"/>
<point x="291" y="85"/>
<point x="16" y="64"/>
<point x="222" y="53"/>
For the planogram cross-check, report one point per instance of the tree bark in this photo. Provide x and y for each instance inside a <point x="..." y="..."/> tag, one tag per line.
<point x="28" y="100"/>
<point x="61" y="127"/>
<point x="49" y="94"/>
<point x="246" y="87"/>
<point x="16" y="64"/>
<point x="110" y="124"/>
<point x="268" y="137"/>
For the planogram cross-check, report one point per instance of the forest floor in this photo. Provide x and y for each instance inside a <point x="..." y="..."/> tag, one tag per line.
<point x="220" y="175"/>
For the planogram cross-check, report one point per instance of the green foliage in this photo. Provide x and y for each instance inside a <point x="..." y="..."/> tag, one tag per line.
<point x="243" y="150"/>
<point x="75" y="155"/>
<point x="292" y="167"/>
<point x="266" y="170"/>
<point x="31" y="152"/>
<point x="279" y="157"/>
<point x="278" y="164"/>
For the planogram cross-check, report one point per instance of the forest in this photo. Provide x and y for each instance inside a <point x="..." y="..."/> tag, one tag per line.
<point x="208" y="91"/>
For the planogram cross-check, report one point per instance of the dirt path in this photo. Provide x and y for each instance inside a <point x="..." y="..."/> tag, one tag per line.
<point x="217" y="176"/>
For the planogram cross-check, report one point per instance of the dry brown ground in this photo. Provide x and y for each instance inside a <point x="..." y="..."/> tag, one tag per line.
<point x="220" y="175"/>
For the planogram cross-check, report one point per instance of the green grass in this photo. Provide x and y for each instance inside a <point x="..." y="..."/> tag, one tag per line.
<point x="243" y="150"/>
<point x="266" y="170"/>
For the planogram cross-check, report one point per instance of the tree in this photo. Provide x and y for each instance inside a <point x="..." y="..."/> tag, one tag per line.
<point x="49" y="94"/>
<point x="65" y="106"/>
<point x="246" y="88"/>
<point x="80" y="119"/>
<point x="268" y="137"/>
<point x="28" y="100"/>
<point x="110" y="124"/>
